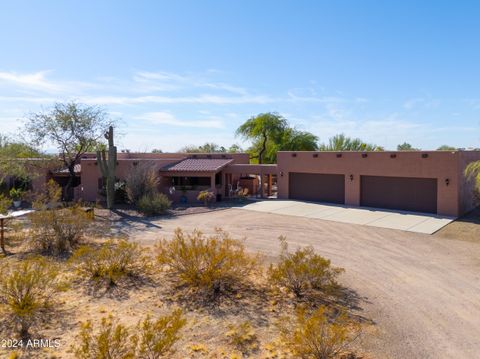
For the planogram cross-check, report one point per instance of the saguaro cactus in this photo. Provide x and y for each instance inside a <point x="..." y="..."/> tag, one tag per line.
<point x="107" y="165"/>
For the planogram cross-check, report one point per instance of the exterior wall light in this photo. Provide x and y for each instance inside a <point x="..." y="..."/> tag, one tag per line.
<point x="339" y="155"/>
<point x="315" y="155"/>
<point x="364" y="155"/>
<point x="281" y="173"/>
<point x="393" y="155"/>
<point x="294" y="155"/>
<point x="351" y="177"/>
<point x="424" y="155"/>
<point x="447" y="181"/>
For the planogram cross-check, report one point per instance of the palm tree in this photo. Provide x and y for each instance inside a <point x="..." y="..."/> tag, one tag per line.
<point x="473" y="172"/>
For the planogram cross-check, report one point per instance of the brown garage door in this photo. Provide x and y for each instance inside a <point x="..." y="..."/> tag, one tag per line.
<point x="317" y="187"/>
<point x="409" y="194"/>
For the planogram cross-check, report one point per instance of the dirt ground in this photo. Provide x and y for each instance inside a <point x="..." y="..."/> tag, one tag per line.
<point x="466" y="228"/>
<point x="421" y="291"/>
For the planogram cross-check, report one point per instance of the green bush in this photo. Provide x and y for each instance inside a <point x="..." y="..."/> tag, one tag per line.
<point x="58" y="231"/>
<point x="323" y="334"/>
<point x="26" y="291"/>
<point x="302" y="271"/>
<point x="212" y="264"/>
<point x="111" y="262"/>
<point x="153" y="204"/>
<point x="149" y="340"/>
<point x="16" y="194"/>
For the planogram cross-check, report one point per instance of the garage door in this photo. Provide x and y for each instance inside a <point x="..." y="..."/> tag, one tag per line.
<point x="408" y="194"/>
<point x="317" y="187"/>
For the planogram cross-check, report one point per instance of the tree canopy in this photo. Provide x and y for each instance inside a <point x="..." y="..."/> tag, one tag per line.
<point x="210" y="147"/>
<point x="341" y="142"/>
<point x="271" y="132"/>
<point x="73" y="128"/>
<point x="407" y="147"/>
<point x="446" y="148"/>
<point x="13" y="156"/>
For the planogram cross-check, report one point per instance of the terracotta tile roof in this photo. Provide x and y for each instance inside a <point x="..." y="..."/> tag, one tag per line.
<point x="198" y="165"/>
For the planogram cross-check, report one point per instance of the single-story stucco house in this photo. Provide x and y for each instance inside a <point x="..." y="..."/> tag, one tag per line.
<point x="420" y="181"/>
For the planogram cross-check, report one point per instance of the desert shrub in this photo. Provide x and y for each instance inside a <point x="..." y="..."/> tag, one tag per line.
<point x="5" y="204"/>
<point x="321" y="335"/>
<point x="209" y="263"/>
<point x="58" y="231"/>
<point x="206" y="197"/>
<point x="303" y="270"/>
<point x="26" y="290"/>
<point x="242" y="336"/>
<point x="149" y="340"/>
<point x="141" y="180"/>
<point x="156" y="338"/>
<point x="111" y="262"/>
<point x="49" y="197"/>
<point x="112" y="341"/>
<point x="153" y="204"/>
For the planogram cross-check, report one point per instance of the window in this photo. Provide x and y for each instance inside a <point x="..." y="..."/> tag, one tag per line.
<point x="190" y="181"/>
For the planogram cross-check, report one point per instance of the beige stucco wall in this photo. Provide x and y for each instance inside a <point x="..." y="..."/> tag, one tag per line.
<point x="440" y="165"/>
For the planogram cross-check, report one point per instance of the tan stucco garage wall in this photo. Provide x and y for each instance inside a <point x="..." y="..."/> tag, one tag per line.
<point x="442" y="165"/>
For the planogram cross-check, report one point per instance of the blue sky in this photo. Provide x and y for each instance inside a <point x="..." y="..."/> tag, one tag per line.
<point x="187" y="72"/>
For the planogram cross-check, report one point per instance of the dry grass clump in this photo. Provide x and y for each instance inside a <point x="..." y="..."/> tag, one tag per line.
<point x="149" y="340"/>
<point x="212" y="264"/>
<point x="111" y="262"/>
<point x="322" y="334"/>
<point x="302" y="271"/>
<point x="243" y="337"/>
<point x="26" y="292"/>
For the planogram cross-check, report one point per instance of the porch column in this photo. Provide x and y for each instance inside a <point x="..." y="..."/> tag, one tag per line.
<point x="213" y="188"/>
<point x="269" y="185"/>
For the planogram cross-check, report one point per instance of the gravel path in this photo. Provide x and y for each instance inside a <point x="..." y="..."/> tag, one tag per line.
<point x="422" y="291"/>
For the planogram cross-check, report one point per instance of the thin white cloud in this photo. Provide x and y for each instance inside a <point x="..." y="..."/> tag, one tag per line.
<point x="39" y="83"/>
<point x="36" y="80"/>
<point x="428" y="103"/>
<point x="147" y="81"/>
<point x="198" y="99"/>
<point x="165" y="118"/>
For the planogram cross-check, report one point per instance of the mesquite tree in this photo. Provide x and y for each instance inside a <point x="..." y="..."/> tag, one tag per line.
<point x="74" y="128"/>
<point x="108" y="165"/>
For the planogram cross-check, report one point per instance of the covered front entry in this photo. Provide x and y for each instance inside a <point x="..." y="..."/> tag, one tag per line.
<point x="403" y="193"/>
<point x="317" y="187"/>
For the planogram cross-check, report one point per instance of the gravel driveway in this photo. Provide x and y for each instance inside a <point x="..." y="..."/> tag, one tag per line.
<point x="422" y="291"/>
